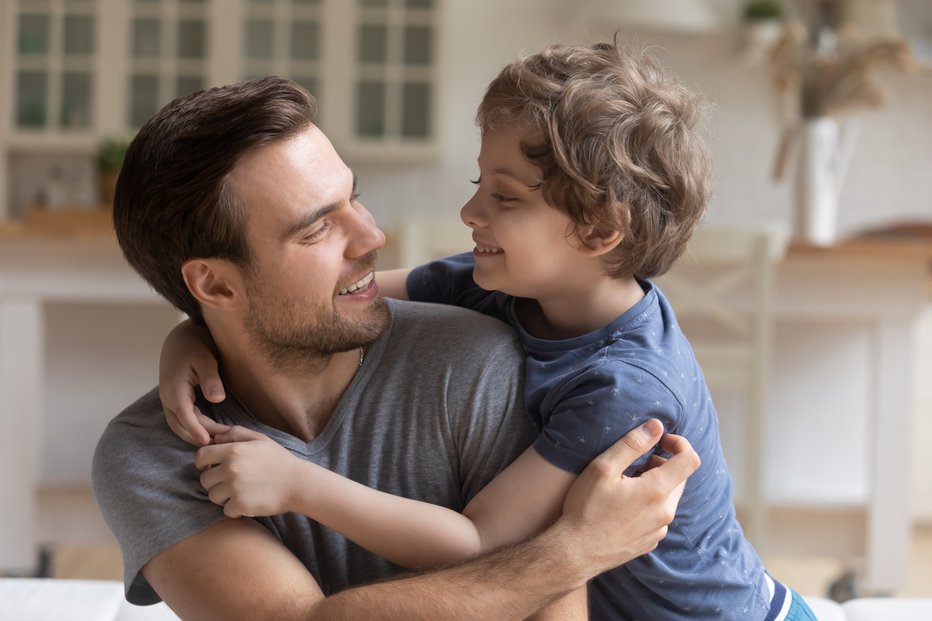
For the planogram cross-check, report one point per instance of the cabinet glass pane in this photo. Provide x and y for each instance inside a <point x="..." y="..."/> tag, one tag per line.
<point x="419" y="4"/>
<point x="416" y="110"/>
<point x="187" y="84"/>
<point x="374" y="3"/>
<point x="192" y="38"/>
<point x="79" y="35"/>
<point x="33" y="34"/>
<point x="144" y="98"/>
<point x="76" y="100"/>
<point x="306" y="2"/>
<point x="417" y="45"/>
<point x="370" y="109"/>
<point x="373" y="43"/>
<point x="312" y="85"/>
<point x="259" y="39"/>
<point x="305" y="41"/>
<point x="147" y="37"/>
<point x="31" y="98"/>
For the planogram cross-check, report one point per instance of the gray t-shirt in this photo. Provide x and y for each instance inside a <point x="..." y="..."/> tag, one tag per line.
<point x="434" y="414"/>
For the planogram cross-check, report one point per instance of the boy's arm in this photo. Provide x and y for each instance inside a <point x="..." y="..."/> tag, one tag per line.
<point x="188" y="359"/>
<point x="237" y="570"/>
<point x="248" y="474"/>
<point x="393" y="283"/>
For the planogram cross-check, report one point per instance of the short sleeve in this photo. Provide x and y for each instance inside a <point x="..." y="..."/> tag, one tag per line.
<point x="148" y="490"/>
<point x="596" y="407"/>
<point x="450" y="281"/>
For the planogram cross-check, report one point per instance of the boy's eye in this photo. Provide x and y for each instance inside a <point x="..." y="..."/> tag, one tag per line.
<point x="502" y="198"/>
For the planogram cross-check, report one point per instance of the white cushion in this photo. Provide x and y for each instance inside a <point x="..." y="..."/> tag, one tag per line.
<point x="888" y="609"/>
<point x="39" y="599"/>
<point x="49" y="599"/>
<point x="157" y="612"/>
<point x="825" y="609"/>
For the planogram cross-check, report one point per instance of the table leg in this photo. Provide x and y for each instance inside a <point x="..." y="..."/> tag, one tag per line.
<point x="21" y="369"/>
<point x="889" y="524"/>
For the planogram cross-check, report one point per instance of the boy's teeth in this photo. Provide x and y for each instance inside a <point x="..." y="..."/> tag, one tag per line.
<point x="487" y="249"/>
<point x="356" y="286"/>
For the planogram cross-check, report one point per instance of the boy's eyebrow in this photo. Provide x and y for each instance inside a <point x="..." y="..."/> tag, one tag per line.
<point x="508" y="173"/>
<point x="310" y="218"/>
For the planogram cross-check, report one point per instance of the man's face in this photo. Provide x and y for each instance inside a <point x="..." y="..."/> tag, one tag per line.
<point x="310" y="287"/>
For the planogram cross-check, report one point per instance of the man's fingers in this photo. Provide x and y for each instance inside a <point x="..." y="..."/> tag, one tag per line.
<point x="634" y="444"/>
<point x="682" y="463"/>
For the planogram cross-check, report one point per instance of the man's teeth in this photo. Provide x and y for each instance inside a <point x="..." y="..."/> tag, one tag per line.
<point x="488" y="249"/>
<point x="356" y="286"/>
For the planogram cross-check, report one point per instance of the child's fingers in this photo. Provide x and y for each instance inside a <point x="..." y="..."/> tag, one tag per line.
<point x="211" y="384"/>
<point x="207" y="376"/>
<point x="212" y="426"/>
<point x="185" y="424"/>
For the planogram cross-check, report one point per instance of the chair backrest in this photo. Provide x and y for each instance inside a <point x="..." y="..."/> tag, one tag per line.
<point x="722" y="290"/>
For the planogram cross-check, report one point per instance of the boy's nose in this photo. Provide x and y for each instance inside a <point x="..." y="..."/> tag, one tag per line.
<point x="471" y="214"/>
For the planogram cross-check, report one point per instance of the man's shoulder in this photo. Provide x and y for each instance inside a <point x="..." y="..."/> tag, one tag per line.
<point x="445" y="336"/>
<point x="443" y="319"/>
<point x="138" y="434"/>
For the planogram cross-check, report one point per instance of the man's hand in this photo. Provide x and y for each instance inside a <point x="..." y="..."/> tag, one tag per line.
<point x="610" y="518"/>
<point x="249" y="474"/>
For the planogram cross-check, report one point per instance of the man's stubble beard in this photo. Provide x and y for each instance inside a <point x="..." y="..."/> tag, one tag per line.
<point x="296" y="337"/>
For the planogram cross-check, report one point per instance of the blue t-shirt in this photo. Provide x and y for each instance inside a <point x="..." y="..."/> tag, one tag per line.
<point x="585" y="393"/>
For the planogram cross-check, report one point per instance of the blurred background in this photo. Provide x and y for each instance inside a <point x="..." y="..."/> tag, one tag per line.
<point x="835" y="465"/>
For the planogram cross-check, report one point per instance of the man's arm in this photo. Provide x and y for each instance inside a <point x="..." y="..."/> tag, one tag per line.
<point x="237" y="570"/>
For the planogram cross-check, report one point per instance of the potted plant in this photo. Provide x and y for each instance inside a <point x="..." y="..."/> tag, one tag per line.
<point x="763" y="25"/>
<point x="109" y="160"/>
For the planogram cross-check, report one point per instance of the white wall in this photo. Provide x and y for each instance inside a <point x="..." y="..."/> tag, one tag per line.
<point x="888" y="181"/>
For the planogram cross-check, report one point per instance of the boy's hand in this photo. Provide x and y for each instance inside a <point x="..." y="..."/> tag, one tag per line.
<point x="187" y="360"/>
<point x="249" y="474"/>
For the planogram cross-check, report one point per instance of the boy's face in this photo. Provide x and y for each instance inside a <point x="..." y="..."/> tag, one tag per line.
<point x="524" y="246"/>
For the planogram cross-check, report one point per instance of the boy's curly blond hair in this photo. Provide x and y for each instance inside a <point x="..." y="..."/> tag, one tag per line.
<point x="617" y="141"/>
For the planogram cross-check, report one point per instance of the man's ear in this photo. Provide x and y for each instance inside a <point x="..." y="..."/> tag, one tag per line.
<point x="215" y="283"/>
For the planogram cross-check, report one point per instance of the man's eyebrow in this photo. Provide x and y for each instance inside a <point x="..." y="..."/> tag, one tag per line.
<point x="312" y="217"/>
<point x="307" y="220"/>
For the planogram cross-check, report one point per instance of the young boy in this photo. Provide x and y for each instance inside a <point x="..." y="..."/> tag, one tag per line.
<point x="592" y="178"/>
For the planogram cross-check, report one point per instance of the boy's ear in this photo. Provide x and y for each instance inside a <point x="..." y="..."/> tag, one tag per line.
<point x="598" y="240"/>
<point x="215" y="283"/>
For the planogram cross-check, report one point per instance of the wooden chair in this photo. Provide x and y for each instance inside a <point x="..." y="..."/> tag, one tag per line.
<point x="722" y="291"/>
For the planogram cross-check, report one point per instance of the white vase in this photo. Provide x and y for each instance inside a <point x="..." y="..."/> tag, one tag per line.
<point x="825" y="148"/>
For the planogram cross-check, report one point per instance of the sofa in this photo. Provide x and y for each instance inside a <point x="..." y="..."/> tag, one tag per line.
<point x="46" y="599"/>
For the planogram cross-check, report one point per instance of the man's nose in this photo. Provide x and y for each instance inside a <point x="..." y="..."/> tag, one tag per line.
<point x="367" y="236"/>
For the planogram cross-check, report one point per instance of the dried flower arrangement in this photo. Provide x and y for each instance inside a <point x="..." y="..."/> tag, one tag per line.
<point x="814" y="82"/>
<point x="834" y="80"/>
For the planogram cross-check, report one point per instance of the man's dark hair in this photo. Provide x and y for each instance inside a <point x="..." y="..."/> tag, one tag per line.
<point x="173" y="200"/>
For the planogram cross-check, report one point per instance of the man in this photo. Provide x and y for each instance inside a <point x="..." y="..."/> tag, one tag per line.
<point x="236" y="208"/>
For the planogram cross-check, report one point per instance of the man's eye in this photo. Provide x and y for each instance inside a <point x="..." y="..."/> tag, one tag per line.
<point x="355" y="197"/>
<point x="317" y="233"/>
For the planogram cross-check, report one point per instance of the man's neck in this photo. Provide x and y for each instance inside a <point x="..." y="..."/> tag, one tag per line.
<point x="298" y="402"/>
